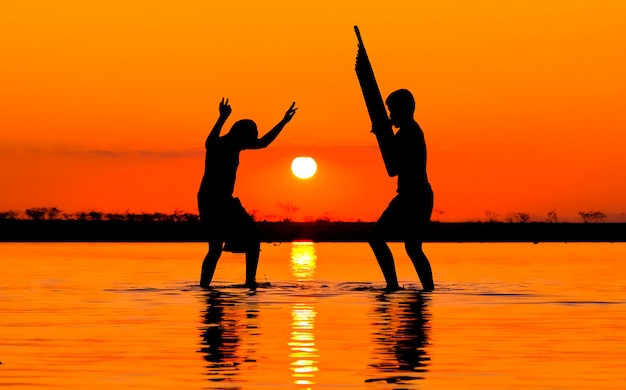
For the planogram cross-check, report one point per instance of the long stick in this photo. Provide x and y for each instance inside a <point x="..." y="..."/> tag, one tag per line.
<point x="381" y="126"/>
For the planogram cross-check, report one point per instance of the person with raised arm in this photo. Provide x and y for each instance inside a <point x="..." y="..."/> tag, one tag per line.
<point x="404" y="155"/>
<point x="227" y="225"/>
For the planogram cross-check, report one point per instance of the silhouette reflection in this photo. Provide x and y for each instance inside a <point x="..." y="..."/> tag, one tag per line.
<point x="302" y="344"/>
<point x="226" y="321"/>
<point x="401" y="320"/>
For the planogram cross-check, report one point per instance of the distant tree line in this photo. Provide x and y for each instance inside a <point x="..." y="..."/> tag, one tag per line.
<point x="53" y="213"/>
<point x="523" y="217"/>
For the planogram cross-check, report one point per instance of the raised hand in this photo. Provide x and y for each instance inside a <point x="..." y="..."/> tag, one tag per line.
<point x="225" y="109"/>
<point x="290" y="113"/>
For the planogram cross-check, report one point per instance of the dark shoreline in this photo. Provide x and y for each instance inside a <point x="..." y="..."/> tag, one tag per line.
<point x="191" y="231"/>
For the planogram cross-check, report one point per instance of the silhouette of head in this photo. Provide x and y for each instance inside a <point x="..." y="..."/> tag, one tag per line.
<point x="244" y="132"/>
<point x="401" y="106"/>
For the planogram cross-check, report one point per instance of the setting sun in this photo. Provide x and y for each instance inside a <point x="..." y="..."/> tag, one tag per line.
<point x="303" y="167"/>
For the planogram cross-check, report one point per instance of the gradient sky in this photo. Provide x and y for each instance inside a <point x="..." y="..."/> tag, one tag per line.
<point x="105" y="105"/>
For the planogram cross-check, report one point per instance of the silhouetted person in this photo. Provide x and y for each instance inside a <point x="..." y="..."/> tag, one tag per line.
<point x="408" y="213"/>
<point x="227" y="224"/>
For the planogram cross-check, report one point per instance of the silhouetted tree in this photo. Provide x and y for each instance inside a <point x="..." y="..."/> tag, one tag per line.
<point x="189" y="217"/>
<point x="552" y="217"/>
<point x="41" y="213"/>
<point x="89" y="216"/>
<point x="518" y="217"/>
<point x="159" y="217"/>
<point x="491" y="216"/>
<point x="135" y="217"/>
<point x="115" y="217"/>
<point x="36" y="213"/>
<point x="178" y="216"/>
<point x="11" y="214"/>
<point x="288" y="210"/>
<point x="592" y="216"/>
<point x="328" y="216"/>
<point x="269" y="217"/>
<point x="182" y="216"/>
<point x="53" y="213"/>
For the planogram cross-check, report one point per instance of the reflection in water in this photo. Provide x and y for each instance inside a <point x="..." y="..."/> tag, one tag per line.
<point x="302" y="344"/>
<point x="221" y="339"/>
<point x="401" y="320"/>
<point x="303" y="260"/>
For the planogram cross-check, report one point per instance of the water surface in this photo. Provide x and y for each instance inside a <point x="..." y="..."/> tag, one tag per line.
<point x="504" y="316"/>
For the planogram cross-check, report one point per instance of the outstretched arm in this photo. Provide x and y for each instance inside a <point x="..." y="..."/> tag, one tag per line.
<point x="225" y="111"/>
<point x="272" y="134"/>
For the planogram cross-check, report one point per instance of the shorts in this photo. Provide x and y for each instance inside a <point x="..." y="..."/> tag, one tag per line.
<point x="406" y="217"/>
<point x="226" y="220"/>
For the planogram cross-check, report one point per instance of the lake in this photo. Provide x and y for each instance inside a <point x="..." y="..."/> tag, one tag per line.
<point x="130" y="316"/>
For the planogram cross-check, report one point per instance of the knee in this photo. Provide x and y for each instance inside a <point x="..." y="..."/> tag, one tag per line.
<point x="375" y="240"/>
<point x="413" y="247"/>
<point x="372" y="237"/>
<point x="215" y="249"/>
<point x="254" y="245"/>
<point x="253" y="239"/>
<point x="211" y="258"/>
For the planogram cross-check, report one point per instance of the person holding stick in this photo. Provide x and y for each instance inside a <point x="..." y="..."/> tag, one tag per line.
<point x="404" y="154"/>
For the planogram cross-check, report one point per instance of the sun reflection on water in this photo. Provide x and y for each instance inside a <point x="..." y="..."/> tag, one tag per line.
<point x="302" y="344"/>
<point x="303" y="350"/>
<point x="303" y="260"/>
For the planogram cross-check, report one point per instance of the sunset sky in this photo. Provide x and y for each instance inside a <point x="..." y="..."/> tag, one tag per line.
<point x="105" y="105"/>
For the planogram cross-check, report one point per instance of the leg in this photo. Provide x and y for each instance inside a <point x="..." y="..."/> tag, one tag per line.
<point x="385" y="261"/>
<point x="248" y="232"/>
<point x="210" y="216"/>
<point x="421" y="264"/>
<point x="377" y="239"/>
<point x="252" y="261"/>
<point x="210" y="262"/>
<point x="413" y="245"/>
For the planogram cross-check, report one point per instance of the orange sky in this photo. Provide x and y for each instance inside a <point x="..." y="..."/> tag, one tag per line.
<point x="106" y="105"/>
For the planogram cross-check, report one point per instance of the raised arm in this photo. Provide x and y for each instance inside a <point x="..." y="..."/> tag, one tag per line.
<point x="272" y="134"/>
<point x="225" y="111"/>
